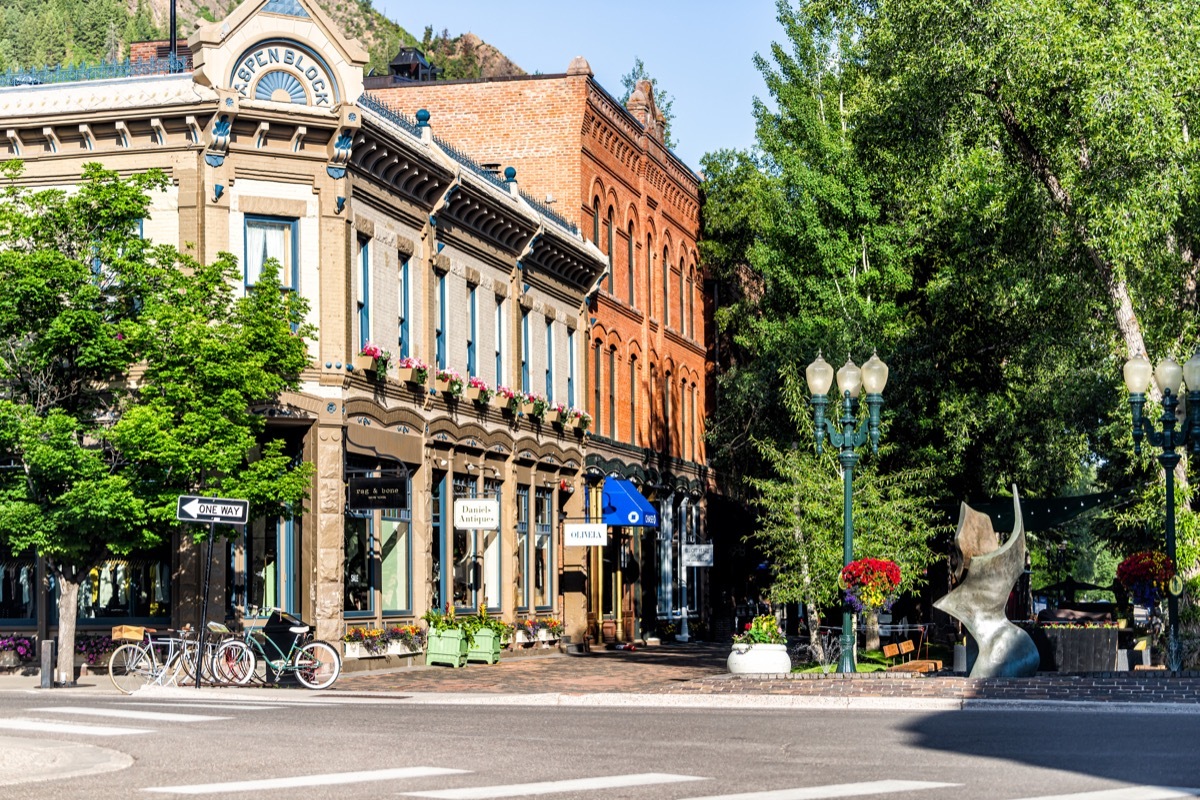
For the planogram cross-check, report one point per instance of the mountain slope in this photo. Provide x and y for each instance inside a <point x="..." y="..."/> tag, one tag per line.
<point x="39" y="33"/>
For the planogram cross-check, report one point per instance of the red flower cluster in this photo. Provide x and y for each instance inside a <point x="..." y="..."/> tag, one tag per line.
<point x="1146" y="575"/>
<point x="870" y="583"/>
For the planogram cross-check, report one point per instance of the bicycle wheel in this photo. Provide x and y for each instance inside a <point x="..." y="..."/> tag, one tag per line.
<point x="234" y="662"/>
<point x="130" y="667"/>
<point x="317" y="665"/>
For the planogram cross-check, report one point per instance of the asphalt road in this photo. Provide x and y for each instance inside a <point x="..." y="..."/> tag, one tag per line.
<point x="309" y="745"/>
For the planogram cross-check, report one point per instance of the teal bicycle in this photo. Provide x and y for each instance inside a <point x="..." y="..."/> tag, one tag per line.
<point x="274" y="644"/>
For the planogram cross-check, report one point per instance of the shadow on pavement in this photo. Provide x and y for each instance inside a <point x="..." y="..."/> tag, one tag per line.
<point x="1119" y="745"/>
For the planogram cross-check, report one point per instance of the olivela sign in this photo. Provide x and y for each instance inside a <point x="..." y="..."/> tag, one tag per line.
<point x="592" y="534"/>
<point x="477" y="514"/>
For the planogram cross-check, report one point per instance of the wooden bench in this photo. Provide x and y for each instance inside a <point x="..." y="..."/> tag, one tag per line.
<point x="918" y="665"/>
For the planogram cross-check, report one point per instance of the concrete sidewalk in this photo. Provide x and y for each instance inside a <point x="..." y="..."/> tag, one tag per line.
<point x="694" y="675"/>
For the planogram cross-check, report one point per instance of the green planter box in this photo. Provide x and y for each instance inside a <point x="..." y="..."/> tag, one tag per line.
<point x="485" y="647"/>
<point x="446" y="647"/>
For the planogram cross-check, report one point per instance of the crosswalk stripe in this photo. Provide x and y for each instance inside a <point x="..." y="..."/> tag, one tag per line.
<point x="222" y="706"/>
<point x="551" y="787"/>
<point x="64" y="727"/>
<point x="1126" y="793"/>
<point x="832" y="790"/>
<point x="300" y="781"/>
<point x="128" y="713"/>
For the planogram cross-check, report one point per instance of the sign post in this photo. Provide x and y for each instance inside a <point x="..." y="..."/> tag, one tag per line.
<point x="215" y="511"/>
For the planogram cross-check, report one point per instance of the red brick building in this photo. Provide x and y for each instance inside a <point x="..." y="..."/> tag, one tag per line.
<point x="578" y="149"/>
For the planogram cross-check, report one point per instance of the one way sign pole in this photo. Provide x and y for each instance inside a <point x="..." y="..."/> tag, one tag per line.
<point x="214" y="511"/>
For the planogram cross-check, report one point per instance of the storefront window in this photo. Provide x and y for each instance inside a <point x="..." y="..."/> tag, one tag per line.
<point x="18" y="589"/>
<point x="395" y="556"/>
<point x="357" y="565"/>
<point x="126" y="587"/>
<point x="467" y="570"/>
<point x="543" y="549"/>
<point x="436" y="537"/>
<point x="521" y="579"/>
<point x="489" y="542"/>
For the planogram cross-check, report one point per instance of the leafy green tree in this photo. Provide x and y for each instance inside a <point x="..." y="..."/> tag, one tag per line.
<point x="801" y="528"/>
<point x="129" y="372"/>
<point x="662" y="99"/>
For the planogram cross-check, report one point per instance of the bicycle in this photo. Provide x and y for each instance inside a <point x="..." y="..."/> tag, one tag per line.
<point x="218" y="664"/>
<point x="136" y="664"/>
<point x="315" y="664"/>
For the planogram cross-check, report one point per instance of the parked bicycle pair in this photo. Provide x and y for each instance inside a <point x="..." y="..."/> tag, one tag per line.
<point x="272" y="644"/>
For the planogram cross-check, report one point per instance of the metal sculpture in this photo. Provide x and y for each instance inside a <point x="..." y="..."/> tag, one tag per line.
<point x="1004" y="650"/>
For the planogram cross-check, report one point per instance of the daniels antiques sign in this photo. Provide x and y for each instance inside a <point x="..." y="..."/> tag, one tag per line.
<point x="368" y="493"/>
<point x="477" y="514"/>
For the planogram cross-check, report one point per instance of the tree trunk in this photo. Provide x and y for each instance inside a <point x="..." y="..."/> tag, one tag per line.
<point x="871" y="622"/>
<point x="68" y="611"/>
<point x="814" y="632"/>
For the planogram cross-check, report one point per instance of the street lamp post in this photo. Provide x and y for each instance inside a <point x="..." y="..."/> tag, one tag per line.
<point x="1168" y="375"/>
<point x="850" y="380"/>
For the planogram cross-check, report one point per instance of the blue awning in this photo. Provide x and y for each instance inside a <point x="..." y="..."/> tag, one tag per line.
<point x="623" y="505"/>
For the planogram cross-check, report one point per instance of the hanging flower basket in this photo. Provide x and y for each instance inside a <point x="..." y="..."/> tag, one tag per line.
<point x="413" y="371"/>
<point x="870" y="584"/>
<point x="1145" y="575"/>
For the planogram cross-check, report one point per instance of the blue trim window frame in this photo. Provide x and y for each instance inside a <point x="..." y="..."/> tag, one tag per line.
<point x="472" y="333"/>
<point x="525" y="347"/>
<point x="395" y="559"/>
<point x="550" y="360"/>
<point x="571" y="367"/>
<point x="404" y="335"/>
<point x="359" y="564"/>
<point x="271" y="237"/>
<point x="466" y="571"/>
<point x="521" y="579"/>
<point x="543" y="550"/>
<point x="364" y="291"/>
<point x="498" y="335"/>
<point x="440" y="331"/>
<point x="437" y="527"/>
<point x="492" y="553"/>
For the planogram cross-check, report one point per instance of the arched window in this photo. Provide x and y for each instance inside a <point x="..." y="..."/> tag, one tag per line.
<point x="612" y="393"/>
<point x="650" y="275"/>
<point x="668" y="403"/>
<point x="596" y="384"/>
<point x="596" y="221"/>
<point x="666" y="287"/>
<point x="611" y="258"/>
<point x="652" y="427"/>
<point x="633" y="393"/>
<point x="682" y="320"/>
<point x="629" y="263"/>
<point x="691" y="309"/>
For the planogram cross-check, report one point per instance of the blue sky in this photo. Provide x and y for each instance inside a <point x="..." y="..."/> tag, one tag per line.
<point x="700" y="51"/>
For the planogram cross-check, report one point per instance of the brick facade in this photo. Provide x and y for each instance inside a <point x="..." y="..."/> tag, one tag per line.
<point x="604" y="167"/>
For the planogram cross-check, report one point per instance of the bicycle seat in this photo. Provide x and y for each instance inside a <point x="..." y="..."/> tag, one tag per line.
<point x="299" y="629"/>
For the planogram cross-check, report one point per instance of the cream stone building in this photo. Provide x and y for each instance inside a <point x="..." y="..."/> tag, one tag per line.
<point x="396" y="240"/>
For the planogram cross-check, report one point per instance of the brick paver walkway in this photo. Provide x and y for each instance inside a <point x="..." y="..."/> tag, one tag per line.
<point x="700" y="669"/>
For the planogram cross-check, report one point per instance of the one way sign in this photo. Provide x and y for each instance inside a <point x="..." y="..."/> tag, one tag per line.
<point x="212" y="509"/>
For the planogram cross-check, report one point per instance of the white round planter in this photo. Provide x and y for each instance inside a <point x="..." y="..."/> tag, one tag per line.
<point x="759" y="659"/>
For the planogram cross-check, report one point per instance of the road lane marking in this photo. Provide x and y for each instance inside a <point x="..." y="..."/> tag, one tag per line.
<point x="553" y="787"/>
<point x="222" y="706"/>
<point x="301" y="781"/>
<point x="129" y="713"/>
<point x="64" y="727"/>
<point x="832" y="790"/>
<point x="1126" y="793"/>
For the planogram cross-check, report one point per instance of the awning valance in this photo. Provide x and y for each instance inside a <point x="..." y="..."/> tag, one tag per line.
<point x="624" y="505"/>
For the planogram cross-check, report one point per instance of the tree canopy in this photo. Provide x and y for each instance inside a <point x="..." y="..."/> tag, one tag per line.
<point x="1000" y="198"/>
<point x="129" y="373"/>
